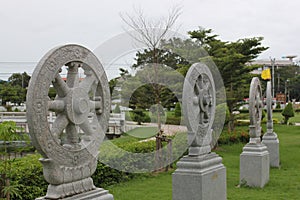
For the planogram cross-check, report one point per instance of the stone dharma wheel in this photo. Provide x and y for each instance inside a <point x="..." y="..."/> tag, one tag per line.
<point x="199" y="102"/>
<point x="255" y="108"/>
<point x="82" y="106"/>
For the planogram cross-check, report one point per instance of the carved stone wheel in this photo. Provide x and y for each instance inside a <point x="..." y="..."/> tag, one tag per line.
<point x="199" y="101"/>
<point x="82" y="106"/>
<point x="269" y="105"/>
<point x="255" y="107"/>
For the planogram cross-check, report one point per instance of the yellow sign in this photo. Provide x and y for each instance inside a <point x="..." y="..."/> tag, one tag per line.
<point x="266" y="74"/>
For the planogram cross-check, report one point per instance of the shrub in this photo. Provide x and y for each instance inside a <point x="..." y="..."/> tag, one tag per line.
<point x="139" y="116"/>
<point x="177" y="111"/>
<point x="235" y="136"/>
<point x="117" y="109"/>
<point x="278" y="106"/>
<point x="288" y="112"/>
<point x="27" y="175"/>
<point x="173" y="120"/>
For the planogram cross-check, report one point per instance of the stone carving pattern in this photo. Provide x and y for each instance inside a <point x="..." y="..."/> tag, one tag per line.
<point x="255" y="108"/>
<point x="65" y="160"/>
<point x="269" y="108"/>
<point x="199" y="101"/>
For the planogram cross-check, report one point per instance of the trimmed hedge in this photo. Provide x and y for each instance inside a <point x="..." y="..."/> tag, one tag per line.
<point x="235" y="136"/>
<point x="27" y="172"/>
<point x="173" y="120"/>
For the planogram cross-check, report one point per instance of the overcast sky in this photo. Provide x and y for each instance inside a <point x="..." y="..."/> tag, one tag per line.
<point x="29" y="28"/>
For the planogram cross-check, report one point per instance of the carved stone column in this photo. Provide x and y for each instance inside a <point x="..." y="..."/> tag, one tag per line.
<point x="254" y="160"/>
<point x="270" y="138"/>
<point x="200" y="175"/>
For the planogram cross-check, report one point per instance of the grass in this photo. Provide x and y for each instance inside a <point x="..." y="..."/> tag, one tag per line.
<point x="143" y="132"/>
<point x="284" y="182"/>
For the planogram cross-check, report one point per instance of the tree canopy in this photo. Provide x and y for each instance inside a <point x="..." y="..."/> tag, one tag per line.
<point x="14" y="90"/>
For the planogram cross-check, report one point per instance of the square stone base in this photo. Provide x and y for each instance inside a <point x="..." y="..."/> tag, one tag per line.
<point x="254" y="165"/>
<point x="200" y="178"/>
<point x="96" y="194"/>
<point x="272" y="144"/>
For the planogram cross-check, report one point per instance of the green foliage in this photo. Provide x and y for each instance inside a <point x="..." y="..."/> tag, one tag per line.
<point x="263" y="114"/>
<point x="160" y="56"/>
<point x="10" y="93"/>
<point x="147" y="87"/>
<point x="18" y="79"/>
<point x="112" y="85"/>
<point x="15" y="89"/>
<point x="26" y="175"/>
<point x="238" y="135"/>
<point x="8" y="134"/>
<point x="52" y="93"/>
<point x="289" y="81"/>
<point x="288" y="112"/>
<point x="278" y="105"/>
<point x="105" y="176"/>
<point x="173" y="120"/>
<point x="177" y="111"/>
<point x="227" y="118"/>
<point x="139" y="116"/>
<point x="117" y="109"/>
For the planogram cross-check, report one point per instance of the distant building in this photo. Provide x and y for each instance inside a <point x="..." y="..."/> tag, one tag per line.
<point x="268" y="63"/>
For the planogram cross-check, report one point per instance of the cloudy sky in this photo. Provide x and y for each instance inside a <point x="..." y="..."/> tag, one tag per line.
<point x="29" y="28"/>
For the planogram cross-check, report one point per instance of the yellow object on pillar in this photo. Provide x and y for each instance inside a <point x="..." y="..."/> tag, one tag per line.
<point x="266" y="74"/>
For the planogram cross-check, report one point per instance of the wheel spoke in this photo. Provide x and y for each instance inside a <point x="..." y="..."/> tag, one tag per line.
<point x="59" y="125"/>
<point x="72" y="134"/>
<point x="56" y="105"/>
<point x="86" y="128"/>
<point x="72" y="76"/>
<point x="95" y="105"/>
<point x="88" y="81"/>
<point x="60" y="86"/>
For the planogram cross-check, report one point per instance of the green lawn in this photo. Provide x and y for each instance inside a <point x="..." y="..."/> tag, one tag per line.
<point x="143" y="132"/>
<point x="284" y="182"/>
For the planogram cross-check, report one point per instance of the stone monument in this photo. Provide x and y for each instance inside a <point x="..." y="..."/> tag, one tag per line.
<point x="270" y="138"/>
<point x="69" y="158"/>
<point x="254" y="160"/>
<point x="200" y="175"/>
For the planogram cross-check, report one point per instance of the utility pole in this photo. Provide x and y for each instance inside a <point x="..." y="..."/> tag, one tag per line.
<point x="273" y="77"/>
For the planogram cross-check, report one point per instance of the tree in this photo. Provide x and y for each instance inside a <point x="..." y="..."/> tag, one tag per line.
<point x="162" y="56"/>
<point x="138" y="116"/>
<point x="8" y="133"/>
<point x="15" y="89"/>
<point x="150" y="33"/>
<point x="294" y="88"/>
<point x="18" y="79"/>
<point x="139" y="90"/>
<point x="10" y="93"/>
<point x="288" y="112"/>
<point x="288" y="81"/>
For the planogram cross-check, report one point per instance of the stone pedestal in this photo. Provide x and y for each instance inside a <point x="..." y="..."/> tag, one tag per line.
<point x="200" y="178"/>
<point x="254" y="165"/>
<point x="272" y="143"/>
<point x="96" y="194"/>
